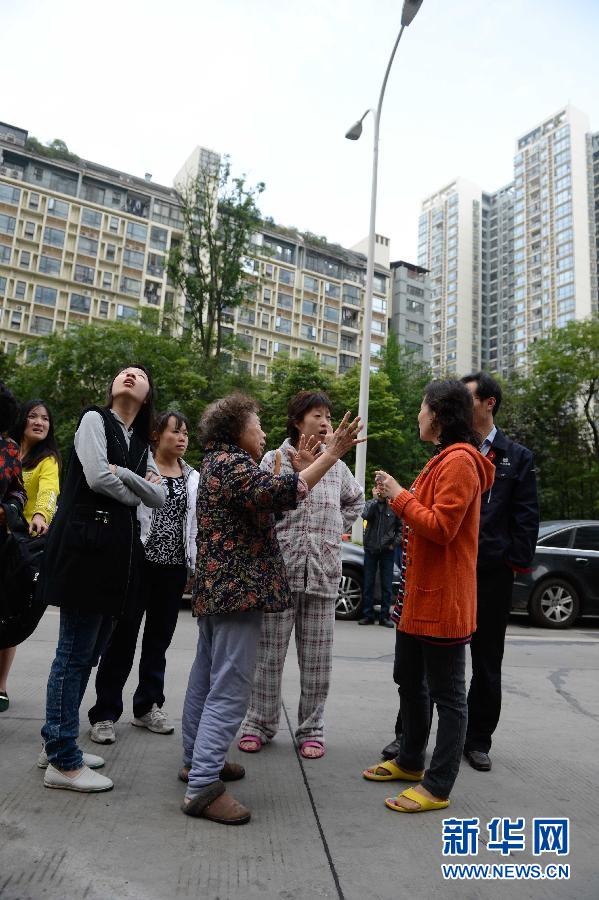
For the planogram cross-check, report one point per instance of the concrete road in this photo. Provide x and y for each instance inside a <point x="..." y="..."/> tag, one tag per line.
<point x="318" y="829"/>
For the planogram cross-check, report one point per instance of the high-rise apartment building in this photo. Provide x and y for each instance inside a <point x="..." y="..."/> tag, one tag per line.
<point x="449" y="246"/>
<point x="410" y="319"/>
<point x="80" y="242"/>
<point x="508" y="266"/>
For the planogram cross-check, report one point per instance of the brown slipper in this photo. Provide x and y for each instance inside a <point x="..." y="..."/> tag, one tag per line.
<point x="229" y="772"/>
<point x="216" y="805"/>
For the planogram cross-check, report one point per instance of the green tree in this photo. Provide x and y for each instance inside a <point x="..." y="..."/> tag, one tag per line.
<point x="220" y="214"/>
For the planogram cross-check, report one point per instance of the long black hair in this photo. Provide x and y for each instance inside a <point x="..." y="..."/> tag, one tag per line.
<point x="43" y="448"/>
<point x="451" y="404"/>
<point x="142" y="423"/>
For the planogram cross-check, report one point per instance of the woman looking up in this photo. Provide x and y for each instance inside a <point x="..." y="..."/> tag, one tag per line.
<point x="168" y="535"/>
<point x="40" y="461"/>
<point x="93" y="560"/>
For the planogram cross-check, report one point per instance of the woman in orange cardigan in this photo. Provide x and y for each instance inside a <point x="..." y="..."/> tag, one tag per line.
<point x="441" y="515"/>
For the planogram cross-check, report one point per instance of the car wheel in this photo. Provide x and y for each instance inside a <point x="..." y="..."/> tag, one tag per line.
<point x="554" y="604"/>
<point x="349" y="598"/>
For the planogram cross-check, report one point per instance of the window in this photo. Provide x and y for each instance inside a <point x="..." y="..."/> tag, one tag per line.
<point x="266" y="295"/>
<point x="84" y="274"/>
<point x="379" y="305"/>
<point x="91" y="217"/>
<point x="29" y="230"/>
<point x="10" y="194"/>
<point x="158" y="238"/>
<point x="557" y="539"/>
<point x="45" y="295"/>
<point x="15" y="320"/>
<point x="309" y="308"/>
<point x="58" y="208"/>
<point x="114" y="224"/>
<point x="283" y="325"/>
<point x="415" y="307"/>
<point x="263" y="345"/>
<point x="351" y="294"/>
<point x="42" y="325"/>
<point x="137" y="232"/>
<point x="7" y="224"/>
<point x="79" y="303"/>
<point x="3" y="285"/>
<point x="24" y="257"/>
<point x="49" y="265"/>
<point x="107" y="280"/>
<point x="378" y="327"/>
<point x="126" y="313"/>
<point x="87" y="246"/>
<point x="311" y="284"/>
<point x="134" y="259"/>
<point x="331" y="314"/>
<point x="329" y="337"/>
<point x="286" y="276"/>
<point x="130" y="286"/>
<point x="332" y="290"/>
<point x="285" y="300"/>
<point x="328" y="360"/>
<point x="414" y="327"/>
<point x="308" y="332"/>
<point x="380" y="284"/>
<point x="155" y="265"/>
<point x="265" y="320"/>
<point x="34" y="201"/>
<point x="587" y="538"/>
<point x="375" y="349"/>
<point x="246" y="315"/>
<point x="110" y="252"/>
<point x="54" y="237"/>
<point x="103" y="309"/>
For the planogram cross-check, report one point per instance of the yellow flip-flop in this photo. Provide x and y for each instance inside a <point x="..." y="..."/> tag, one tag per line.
<point x="424" y="804"/>
<point x="395" y="773"/>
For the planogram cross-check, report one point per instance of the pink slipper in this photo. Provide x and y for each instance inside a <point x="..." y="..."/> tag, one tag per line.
<point x="250" y="739"/>
<point x="317" y="744"/>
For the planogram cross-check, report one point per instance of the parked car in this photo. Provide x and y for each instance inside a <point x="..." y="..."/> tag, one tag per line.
<point x="564" y="582"/>
<point x="349" y="599"/>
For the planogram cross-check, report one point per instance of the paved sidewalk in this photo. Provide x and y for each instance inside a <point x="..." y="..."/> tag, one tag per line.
<point x="318" y="829"/>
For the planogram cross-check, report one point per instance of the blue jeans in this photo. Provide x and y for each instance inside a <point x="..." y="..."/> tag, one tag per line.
<point x="81" y="641"/>
<point x="382" y="560"/>
<point x="432" y="673"/>
<point x="218" y="693"/>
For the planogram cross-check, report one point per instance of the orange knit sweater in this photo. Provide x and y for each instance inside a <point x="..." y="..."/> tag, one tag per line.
<point x="442" y="512"/>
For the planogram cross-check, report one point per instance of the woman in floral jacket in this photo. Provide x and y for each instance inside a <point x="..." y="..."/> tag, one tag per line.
<point x="239" y="576"/>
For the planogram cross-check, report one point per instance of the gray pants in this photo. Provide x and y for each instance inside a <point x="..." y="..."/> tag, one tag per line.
<point x="218" y="692"/>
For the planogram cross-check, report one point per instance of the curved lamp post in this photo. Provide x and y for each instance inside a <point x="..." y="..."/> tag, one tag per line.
<point x="410" y="8"/>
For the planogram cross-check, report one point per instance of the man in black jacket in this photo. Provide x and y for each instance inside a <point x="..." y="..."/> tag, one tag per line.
<point x="509" y="526"/>
<point x="382" y="535"/>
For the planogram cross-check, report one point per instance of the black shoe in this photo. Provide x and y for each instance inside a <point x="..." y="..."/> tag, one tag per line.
<point x="366" y="621"/>
<point x="387" y="623"/>
<point x="391" y="751"/>
<point x="478" y="760"/>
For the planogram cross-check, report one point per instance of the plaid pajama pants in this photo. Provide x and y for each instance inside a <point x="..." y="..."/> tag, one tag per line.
<point x="314" y="620"/>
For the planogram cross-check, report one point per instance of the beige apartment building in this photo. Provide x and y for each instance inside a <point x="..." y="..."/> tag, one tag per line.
<point x="82" y="243"/>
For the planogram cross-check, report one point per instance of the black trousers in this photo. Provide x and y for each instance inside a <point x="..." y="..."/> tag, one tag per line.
<point x="494" y="599"/>
<point x="432" y="673"/>
<point x="160" y="600"/>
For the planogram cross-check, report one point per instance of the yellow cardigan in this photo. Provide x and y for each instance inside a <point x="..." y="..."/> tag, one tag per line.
<point x="42" y="486"/>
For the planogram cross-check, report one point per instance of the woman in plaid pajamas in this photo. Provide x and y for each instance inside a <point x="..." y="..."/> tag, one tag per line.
<point x="309" y="538"/>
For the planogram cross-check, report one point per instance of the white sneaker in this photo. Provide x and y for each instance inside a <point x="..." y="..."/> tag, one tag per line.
<point x="156" y="720"/>
<point x="89" y="759"/>
<point x="87" y="782"/>
<point x="103" y="732"/>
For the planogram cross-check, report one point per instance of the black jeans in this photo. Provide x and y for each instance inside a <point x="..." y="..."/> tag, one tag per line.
<point x="160" y="599"/>
<point x="494" y="600"/>
<point x="383" y="560"/>
<point x="432" y="673"/>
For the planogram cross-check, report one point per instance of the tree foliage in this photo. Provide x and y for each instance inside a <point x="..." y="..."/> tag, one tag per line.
<point x="220" y="214"/>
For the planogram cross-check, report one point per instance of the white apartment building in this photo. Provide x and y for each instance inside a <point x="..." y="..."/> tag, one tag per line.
<point x="449" y="246"/>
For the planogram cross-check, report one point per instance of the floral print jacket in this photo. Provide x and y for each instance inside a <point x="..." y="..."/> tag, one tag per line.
<point x="11" y="477"/>
<point x="239" y="565"/>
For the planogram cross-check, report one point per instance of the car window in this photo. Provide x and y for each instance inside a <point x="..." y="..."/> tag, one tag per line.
<point x="556" y="539"/>
<point x="587" y="537"/>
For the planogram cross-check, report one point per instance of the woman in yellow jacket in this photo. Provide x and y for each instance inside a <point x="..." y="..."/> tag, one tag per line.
<point x="40" y="459"/>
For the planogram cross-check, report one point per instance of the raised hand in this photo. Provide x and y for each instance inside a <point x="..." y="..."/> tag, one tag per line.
<point x="345" y="437"/>
<point x="278" y="460"/>
<point x="387" y="485"/>
<point x="306" y="453"/>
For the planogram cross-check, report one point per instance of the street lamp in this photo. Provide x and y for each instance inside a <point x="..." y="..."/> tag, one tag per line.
<point x="410" y="8"/>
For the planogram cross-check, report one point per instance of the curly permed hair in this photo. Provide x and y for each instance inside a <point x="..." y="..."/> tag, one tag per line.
<point x="224" y="420"/>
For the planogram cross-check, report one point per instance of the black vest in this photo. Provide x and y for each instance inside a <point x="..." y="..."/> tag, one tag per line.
<point x="93" y="556"/>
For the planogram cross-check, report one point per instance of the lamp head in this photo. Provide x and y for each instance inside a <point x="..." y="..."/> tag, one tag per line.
<point x="355" y="131"/>
<point x="410" y="8"/>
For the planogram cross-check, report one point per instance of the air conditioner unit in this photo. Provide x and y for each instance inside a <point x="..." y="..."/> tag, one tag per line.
<point x="19" y="308"/>
<point x="246" y="331"/>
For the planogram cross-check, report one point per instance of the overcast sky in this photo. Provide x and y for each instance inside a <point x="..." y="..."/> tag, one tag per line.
<point x="136" y="84"/>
